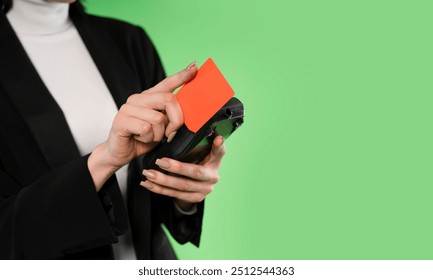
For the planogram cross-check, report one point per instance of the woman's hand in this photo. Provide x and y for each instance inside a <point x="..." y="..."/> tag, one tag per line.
<point x="139" y="126"/>
<point x="196" y="180"/>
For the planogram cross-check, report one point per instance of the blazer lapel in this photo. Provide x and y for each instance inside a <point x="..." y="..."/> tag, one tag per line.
<point x="33" y="101"/>
<point x="122" y="82"/>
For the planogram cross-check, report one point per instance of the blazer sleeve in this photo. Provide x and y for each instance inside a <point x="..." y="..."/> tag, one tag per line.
<point x="183" y="228"/>
<point x="59" y="214"/>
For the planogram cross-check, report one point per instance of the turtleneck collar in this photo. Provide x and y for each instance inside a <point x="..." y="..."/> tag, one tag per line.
<point x="39" y="17"/>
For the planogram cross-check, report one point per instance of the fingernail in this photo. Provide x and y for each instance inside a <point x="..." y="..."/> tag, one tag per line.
<point x="191" y="65"/>
<point x="148" y="174"/>
<point x="162" y="163"/>
<point x="146" y="184"/>
<point x="171" y="136"/>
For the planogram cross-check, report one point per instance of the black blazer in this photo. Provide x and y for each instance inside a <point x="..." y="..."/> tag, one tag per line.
<point x="48" y="205"/>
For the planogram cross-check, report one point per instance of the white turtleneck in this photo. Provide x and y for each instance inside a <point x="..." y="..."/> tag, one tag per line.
<point x="68" y="71"/>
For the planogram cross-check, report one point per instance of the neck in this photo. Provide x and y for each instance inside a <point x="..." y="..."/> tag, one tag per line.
<point x="39" y="17"/>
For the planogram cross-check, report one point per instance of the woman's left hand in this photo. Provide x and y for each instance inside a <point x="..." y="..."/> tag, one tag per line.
<point x="196" y="180"/>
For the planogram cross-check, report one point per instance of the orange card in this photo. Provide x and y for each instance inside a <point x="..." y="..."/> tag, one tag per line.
<point x="203" y="96"/>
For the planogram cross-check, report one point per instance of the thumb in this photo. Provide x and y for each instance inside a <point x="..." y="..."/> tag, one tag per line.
<point x="217" y="152"/>
<point x="174" y="81"/>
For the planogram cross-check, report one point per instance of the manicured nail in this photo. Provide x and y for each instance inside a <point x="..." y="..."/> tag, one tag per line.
<point x="162" y="163"/>
<point x="171" y="136"/>
<point x="148" y="174"/>
<point x="191" y="65"/>
<point x="146" y="184"/>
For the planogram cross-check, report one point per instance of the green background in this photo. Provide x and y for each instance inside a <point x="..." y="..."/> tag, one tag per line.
<point x="334" y="160"/>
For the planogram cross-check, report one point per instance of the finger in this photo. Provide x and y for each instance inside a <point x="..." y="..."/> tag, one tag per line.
<point x="218" y="151"/>
<point x="174" y="81"/>
<point x="145" y="114"/>
<point x="187" y="196"/>
<point x="155" y="118"/>
<point x="127" y="126"/>
<point x="179" y="183"/>
<point x="194" y="171"/>
<point x="165" y="102"/>
<point x="145" y="138"/>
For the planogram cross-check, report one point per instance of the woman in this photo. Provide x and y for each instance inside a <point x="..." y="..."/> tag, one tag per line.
<point x="66" y="154"/>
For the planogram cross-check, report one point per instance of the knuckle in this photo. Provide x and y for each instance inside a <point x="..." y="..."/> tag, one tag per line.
<point x="177" y="122"/>
<point x="169" y="98"/>
<point x="184" y="185"/>
<point x="123" y="108"/>
<point x="199" y="172"/>
<point x="131" y="98"/>
<point x="175" y="166"/>
<point x="214" y="178"/>
<point x="197" y="198"/>
<point x="145" y="127"/>
<point x="159" y="118"/>
<point x="162" y="180"/>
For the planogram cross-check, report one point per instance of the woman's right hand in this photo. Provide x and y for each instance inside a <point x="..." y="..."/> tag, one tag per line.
<point x="139" y="126"/>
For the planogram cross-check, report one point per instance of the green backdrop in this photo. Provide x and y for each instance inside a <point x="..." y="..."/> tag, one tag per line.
<point x="334" y="160"/>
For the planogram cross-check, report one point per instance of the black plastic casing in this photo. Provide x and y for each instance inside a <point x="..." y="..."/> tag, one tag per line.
<point x="191" y="147"/>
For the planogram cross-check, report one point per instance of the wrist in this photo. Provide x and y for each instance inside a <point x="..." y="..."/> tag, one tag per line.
<point x="99" y="167"/>
<point x="183" y="205"/>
